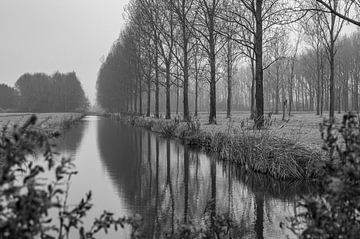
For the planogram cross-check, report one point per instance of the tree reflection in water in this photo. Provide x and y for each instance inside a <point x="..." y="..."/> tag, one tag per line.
<point x="70" y="140"/>
<point x="166" y="182"/>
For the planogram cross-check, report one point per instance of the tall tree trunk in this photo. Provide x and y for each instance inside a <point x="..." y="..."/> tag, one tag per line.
<point x="196" y="79"/>
<point x="156" y="80"/>
<point x="284" y="102"/>
<point x="291" y="87"/>
<point x="252" y="94"/>
<point x="277" y="89"/>
<point x="148" y="96"/>
<point x="332" y="83"/>
<point x="311" y="96"/>
<point x="186" y="63"/>
<point x="346" y="91"/>
<point x="259" y="95"/>
<point x="212" y="59"/>
<point x="168" y="84"/>
<point x="302" y="98"/>
<point x="356" y="92"/>
<point x="318" y="89"/>
<point x="127" y="105"/>
<point x="196" y="89"/>
<point x="136" y="96"/>
<point x="322" y="85"/>
<point x="339" y="99"/>
<point x="332" y="68"/>
<point x="229" y="80"/>
<point x="131" y="101"/>
<point x="177" y="97"/>
<point x="352" y="93"/>
<point x="177" y="90"/>
<point x="140" y="98"/>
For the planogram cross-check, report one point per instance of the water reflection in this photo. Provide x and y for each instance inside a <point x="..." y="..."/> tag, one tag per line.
<point x="134" y="171"/>
<point x="164" y="182"/>
<point x="70" y="140"/>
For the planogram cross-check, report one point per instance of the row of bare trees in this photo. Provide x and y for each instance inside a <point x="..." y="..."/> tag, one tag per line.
<point x="306" y="87"/>
<point x="228" y="51"/>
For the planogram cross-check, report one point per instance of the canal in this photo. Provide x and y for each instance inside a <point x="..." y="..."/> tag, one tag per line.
<point x="131" y="171"/>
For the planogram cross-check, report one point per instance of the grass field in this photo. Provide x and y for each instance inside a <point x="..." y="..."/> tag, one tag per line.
<point x="52" y="121"/>
<point x="301" y="127"/>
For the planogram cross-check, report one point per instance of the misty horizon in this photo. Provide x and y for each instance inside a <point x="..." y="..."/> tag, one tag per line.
<point x="50" y="36"/>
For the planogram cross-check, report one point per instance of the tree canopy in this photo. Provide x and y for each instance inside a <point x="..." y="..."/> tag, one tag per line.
<point x="216" y="55"/>
<point x="8" y="97"/>
<point x="59" y="92"/>
<point x="114" y="84"/>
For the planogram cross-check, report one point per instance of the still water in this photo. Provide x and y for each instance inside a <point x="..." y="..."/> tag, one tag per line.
<point x="132" y="171"/>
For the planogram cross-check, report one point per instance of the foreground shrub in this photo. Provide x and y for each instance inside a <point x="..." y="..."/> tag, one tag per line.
<point x="27" y="196"/>
<point x="335" y="212"/>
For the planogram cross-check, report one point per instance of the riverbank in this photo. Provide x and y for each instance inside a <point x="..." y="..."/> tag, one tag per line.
<point x="51" y="123"/>
<point x="258" y="151"/>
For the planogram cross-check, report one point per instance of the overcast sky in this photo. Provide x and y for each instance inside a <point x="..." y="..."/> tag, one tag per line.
<point x="64" y="35"/>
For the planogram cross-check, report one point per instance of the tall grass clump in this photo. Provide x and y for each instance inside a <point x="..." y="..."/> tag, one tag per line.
<point x="144" y="122"/>
<point x="265" y="153"/>
<point x="258" y="151"/>
<point x="190" y="128"/>
<point x="168" y="127"/>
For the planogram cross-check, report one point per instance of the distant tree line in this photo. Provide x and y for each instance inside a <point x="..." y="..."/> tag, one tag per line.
<point x="205" y="55"/>
<point x="40" y="92"/>
<point x="8" y="97"/>
<point x="113" y="88"/>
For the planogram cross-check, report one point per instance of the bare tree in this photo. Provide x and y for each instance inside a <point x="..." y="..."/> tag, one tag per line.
<point x="292" y="61"/>
<point x="185" y="16"/>
<point x="260" y="20"/>
<point x="206" y="31"/>
<point x="332" y="8"/>
<point x="330" y="27"/>
<point x="164" y="26"/>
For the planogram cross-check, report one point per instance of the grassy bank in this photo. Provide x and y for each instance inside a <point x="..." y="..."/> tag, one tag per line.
<point x="258" y="151"/>
<point x="52" y="123"/>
